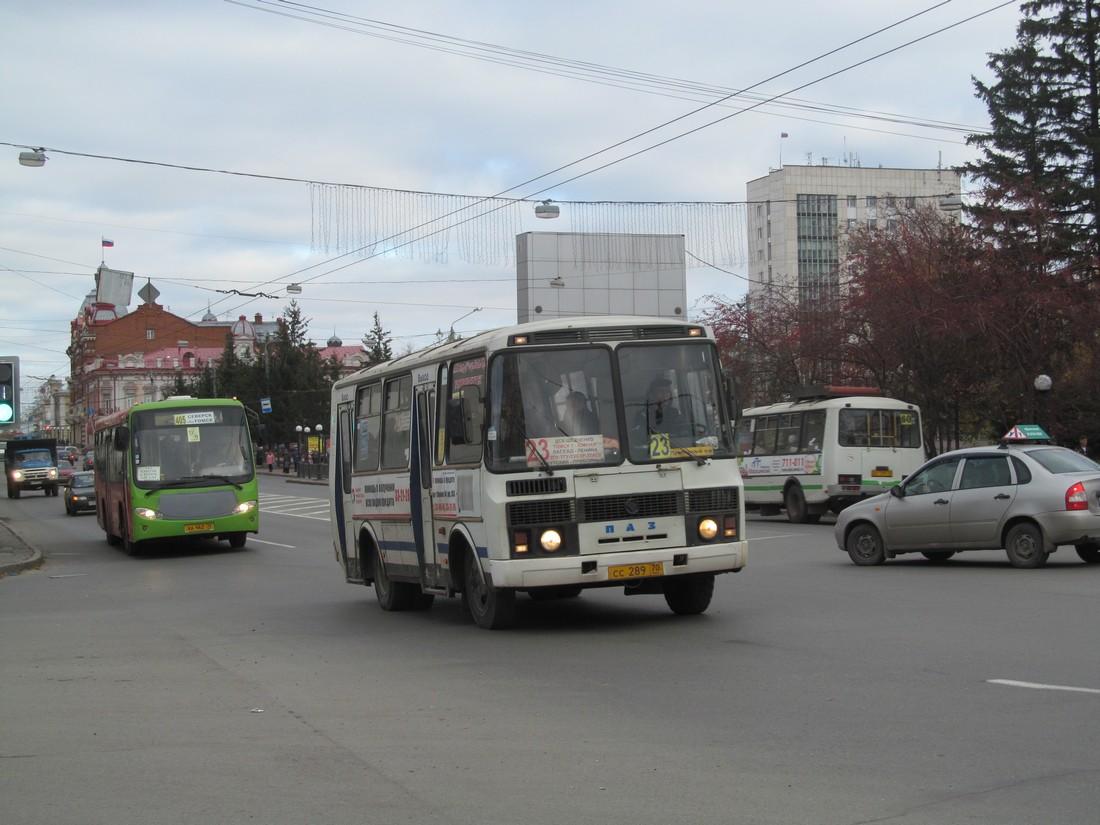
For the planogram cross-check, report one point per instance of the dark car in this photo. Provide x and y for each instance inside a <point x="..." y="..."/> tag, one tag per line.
<point x="79" y="492"/>
<point x="89" y="458"/>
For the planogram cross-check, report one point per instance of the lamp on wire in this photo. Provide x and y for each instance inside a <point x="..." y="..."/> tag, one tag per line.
<point x="35" y="157"/>
<point x="547" y="209"/>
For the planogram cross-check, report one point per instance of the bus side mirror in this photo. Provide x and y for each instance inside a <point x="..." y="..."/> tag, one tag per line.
<point x="121" y="439"/>
<point x="464" y="416"/>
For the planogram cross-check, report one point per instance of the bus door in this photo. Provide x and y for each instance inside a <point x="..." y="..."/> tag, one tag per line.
<point x="422" y="493"/>
<point x="343" y="510"/>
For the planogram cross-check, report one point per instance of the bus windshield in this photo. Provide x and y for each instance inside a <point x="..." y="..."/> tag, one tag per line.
<point x="555" y="408"/>
<point x="192" y="447"/>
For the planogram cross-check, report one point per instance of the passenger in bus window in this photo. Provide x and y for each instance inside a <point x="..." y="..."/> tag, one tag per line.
<point x="579" y="419"/>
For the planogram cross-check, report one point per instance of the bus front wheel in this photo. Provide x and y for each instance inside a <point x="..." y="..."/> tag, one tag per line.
<point x="237" y="540"/>
<point x="489" y="607"/>
<point x="689" y="595"/>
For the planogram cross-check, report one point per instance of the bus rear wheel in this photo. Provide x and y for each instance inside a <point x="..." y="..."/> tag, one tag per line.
<point x="392" y="596"/>
<point x="489" y="607"/>
<point x="795" y="502"/>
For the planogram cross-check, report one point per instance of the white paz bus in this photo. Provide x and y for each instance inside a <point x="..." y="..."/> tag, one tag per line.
<point x="826" y="448"/>
<point x="545" y="459"/>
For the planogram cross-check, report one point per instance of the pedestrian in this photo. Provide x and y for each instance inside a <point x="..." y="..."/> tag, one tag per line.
<point x="270" y="461"/>
<point x="1083" y="446"/>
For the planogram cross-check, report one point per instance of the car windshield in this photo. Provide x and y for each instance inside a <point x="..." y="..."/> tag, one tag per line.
<point x="1060" y="460"/>
<point x="82" y="480"/>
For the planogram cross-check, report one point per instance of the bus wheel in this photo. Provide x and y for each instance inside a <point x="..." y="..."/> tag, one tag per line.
<point x="129" y="546"/>
<point x="795" y="502"/>
<point x="489" y="607"/>
<point x="237" y="540"/>
<point x="689" y="595"/>
<point x="864" y="546"/>
<point x="392" y="596"/>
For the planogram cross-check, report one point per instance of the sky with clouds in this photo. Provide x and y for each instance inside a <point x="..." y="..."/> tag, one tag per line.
<point x="189" y="133"/>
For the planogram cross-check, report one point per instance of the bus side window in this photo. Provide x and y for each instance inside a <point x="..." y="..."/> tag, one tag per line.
<point x="397" y="422"/>
<point x="813" y="431"/>
<point x="368" y="420"/>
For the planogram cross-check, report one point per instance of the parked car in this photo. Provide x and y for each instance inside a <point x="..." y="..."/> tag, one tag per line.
<point x="1025" y="497"/>
<point x="79" y="492"/>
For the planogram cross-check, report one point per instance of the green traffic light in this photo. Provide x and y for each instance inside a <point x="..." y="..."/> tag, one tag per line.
<point x="7" y="413"/>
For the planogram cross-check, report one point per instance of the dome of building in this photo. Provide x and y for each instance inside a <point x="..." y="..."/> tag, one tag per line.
<point x="243" y="328"/>
<point x="335" y="342"/>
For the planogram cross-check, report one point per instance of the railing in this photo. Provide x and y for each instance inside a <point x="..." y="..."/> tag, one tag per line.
<point x="314" y="471"/>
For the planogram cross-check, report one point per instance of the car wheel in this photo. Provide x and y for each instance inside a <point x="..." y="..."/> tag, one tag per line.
<point x="864" y="546"/>
<point x="1025" y="548"/>
<point x="1089" y="553"/>
<point x="795" y="502"/>
<point x="237" y="540"/>
<point x="938" y="556"/>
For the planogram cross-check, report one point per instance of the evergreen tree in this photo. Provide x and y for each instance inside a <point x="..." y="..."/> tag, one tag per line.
<point x="1040" y="164"/>
<point x="377" y="344"/>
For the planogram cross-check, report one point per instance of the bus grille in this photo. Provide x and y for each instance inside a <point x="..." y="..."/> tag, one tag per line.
<point x="536" y="486"/>
<point x="553" y="511"/>
<point x="713" y="500"/>
<point x="643" y="505"/>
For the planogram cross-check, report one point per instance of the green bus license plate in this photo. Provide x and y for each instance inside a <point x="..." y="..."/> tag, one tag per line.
<point x="198" y="528"/>
<point x="636" y="571"/>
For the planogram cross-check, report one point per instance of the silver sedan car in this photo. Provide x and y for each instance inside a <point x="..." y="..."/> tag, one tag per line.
<point x="1026" y="498"/>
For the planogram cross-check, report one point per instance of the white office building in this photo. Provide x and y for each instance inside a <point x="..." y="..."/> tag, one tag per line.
<point x="798" y="215"/>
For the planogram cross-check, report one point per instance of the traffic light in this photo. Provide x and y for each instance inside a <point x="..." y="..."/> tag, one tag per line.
<point x="9" y="390"/>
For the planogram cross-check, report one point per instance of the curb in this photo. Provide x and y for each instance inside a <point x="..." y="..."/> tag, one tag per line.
<point x="23" y="556"/>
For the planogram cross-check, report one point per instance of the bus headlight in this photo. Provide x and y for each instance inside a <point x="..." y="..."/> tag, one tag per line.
<point x="550" y="541"/>
<point x="244" y="507"/>
<point x="147" y="513"/>
<point x="708" y="529"/>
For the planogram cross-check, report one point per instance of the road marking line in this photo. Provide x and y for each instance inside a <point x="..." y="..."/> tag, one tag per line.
<point x="1040" y="686"/>
<point x="272" y="543"/>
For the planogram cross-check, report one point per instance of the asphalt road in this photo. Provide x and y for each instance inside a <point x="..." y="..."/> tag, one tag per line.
<point x="202" y="684"/>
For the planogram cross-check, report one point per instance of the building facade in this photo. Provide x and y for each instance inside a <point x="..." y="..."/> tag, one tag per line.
<point x="798" y="216"/>
<point x="119" y="358"/>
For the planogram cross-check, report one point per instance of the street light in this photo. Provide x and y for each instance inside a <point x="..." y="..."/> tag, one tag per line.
<point x="451" y="335"/>
<point x="1042" y="390"/>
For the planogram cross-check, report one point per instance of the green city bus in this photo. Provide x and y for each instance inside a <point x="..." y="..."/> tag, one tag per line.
<point x="178" y="468"/>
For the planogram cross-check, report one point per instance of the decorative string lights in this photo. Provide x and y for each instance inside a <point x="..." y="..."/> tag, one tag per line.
<point x="436" y="228"/>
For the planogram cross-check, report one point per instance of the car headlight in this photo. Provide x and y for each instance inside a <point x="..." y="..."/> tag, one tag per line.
<point x="16" y="475"/>
<point x="52" y="473"/>
<point x="550" y="541"/>
<point x="245" y="507"/>
<point x="708" y="529"/>
<point x="147" y="513"/>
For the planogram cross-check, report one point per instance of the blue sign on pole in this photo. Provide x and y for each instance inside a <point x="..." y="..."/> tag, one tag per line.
<point x="265" y="405"/>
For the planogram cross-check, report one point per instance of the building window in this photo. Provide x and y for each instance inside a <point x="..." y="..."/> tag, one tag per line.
<point x="890" y="202"/>
<point x="818" y="247"/>
<point x="911" y="201"/>
<point x="872" y="223"/>
<point x="150" y="334"/>
<point x="891" y="224"/>
<point x="851" y="201"/>
<point x="872" y="201"/>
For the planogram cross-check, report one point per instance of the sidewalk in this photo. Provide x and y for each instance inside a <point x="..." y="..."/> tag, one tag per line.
<point x="15" y="554"/>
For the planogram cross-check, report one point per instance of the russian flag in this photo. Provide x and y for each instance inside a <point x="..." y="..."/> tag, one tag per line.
<point x="107" y="243"/>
